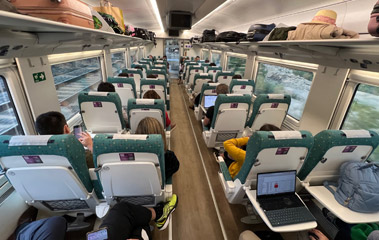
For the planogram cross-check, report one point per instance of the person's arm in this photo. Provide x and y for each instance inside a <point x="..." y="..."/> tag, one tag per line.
<point x="233" y="147"/>
<point x="86" y="140"/>
<point x="168" y="121"/>
<point x="208" y="116"/>
<point x="206" y="121"/>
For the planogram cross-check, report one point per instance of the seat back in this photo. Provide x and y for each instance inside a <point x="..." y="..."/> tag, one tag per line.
<point x="193" y="70"/>
<point x="269" y="109"/>
<point x="242" y="86"/>
<point x="101" y="112"/>
<point x="161" y="67"/>
<point x="214" y="70"/>
<point x="136" y="74"/>
<point x="274" y="151"/>
<point x="186" y="69"/>
<point x="143" y="66"/>
<point x="49" y="171"/>
<point x="334" y="147"/>
<point x="131" y="167"/>
<point x="159" y="72"/>
<point x="125" y="88"/>
<point x="163" y="62"/>
<point x="207" y="89"/>
<point x="146" y="61"/>
<point x="199" y="80"/>
<point x="224" y="77"/>
<point x="158" y="85"/>
<point x="139" y="109"/>
<point x="230" y="112"/>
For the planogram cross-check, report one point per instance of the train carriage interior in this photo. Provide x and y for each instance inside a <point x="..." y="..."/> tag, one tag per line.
<point x="204" y="119"/>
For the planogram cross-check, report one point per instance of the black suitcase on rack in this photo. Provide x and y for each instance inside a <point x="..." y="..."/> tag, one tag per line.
<point x="141" y="33"/>
<point x="209" y="36"/>
<point x="231" y="36"/>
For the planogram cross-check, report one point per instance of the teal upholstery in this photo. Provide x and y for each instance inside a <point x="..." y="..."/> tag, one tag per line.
<point x="225" y="171"/>
<point x="129" y="81"/>
<point x="222" y="99"/>
<point x="205" y="87"/>
<point x="159" y="82"/>
<point x="264" y="98"/>
<point x="237" y="82"/>
<point x="161" y="62"/>
<point x="132" y="72"/>
<point x="146" y="61"/>
<point x="214" y="69"/>
<point x="186" y="68"/>
<point x="153" y="144"/>
<point x="158" y="104"/>
<point x="327" y="139"/>
<point x="157" y="72"/>
<point x="206" y="77"/>
<point x="205" y="64"/>
<point x="162" y="68"/>
<point x="111" y="97"/>
<point x="65" y="145"/>
<point x="222" y="75"/>
<point x="195" y="67"/>
<point x="143" y="66"/>
<point x="264" y="139"/>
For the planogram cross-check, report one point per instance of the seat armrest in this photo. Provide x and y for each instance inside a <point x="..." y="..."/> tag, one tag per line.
<point x="168" y="191"/>
<point x="203" y="109"/>
<point x="225" y="171"/>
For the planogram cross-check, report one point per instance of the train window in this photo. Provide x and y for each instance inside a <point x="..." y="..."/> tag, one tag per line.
<point x="71" y="78"/>
<point x="133" y="55"/>
<point x="236" y="64"/>
<point x="216" y="58"/>
<point x="140" y="52"/>
<point x="364" y="111"/>
<point x="205" y="54"/>
<point x="279" y="79"/>
<point x="9" y="122"/>
<point x="118" y="62"/>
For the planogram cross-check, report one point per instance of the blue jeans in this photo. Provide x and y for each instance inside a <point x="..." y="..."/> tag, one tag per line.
<point x="53" y="228"/>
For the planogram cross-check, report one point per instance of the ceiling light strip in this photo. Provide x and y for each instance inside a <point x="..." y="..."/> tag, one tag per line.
<point x="215" y="10"/>
<point x="157" y="14"/>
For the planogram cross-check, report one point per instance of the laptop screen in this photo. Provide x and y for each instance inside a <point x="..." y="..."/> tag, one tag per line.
<point x="209" y="100"/>
<point x="276" y="183"/>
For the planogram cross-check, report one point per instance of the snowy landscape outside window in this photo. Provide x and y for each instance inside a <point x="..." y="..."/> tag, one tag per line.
<point x="205" y="54"/>
<point x="236" y="65"/>
<point x="216" y="58"/>
<point x="71" y="78"/>
<point x="133" y="55"/>
<point x="118" y="63"/>
<point x="363" y="112"/>
<point x="283" y="80"/>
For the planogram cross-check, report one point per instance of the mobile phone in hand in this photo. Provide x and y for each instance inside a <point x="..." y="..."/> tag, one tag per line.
<point x="77" y="131"/>
<point x="100" y="234"/>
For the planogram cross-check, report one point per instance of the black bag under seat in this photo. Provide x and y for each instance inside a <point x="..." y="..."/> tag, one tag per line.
<point x="209" y="36"/>
<point x="258" y="32"/>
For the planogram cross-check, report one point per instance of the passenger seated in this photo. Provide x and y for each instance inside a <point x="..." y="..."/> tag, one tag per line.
<point x="235" y="150"/>
<point x="151" y="94"/>
<point x="108" y="87"/>
<point x="220" y="89"/>
<point x="53" y="123"/>
<point x="212" y="64"/>
<point x="197" y="58"/>
<point x="237" y="76"/>
<point x="151" y="125"/>
<point x="197" y="99"/>
<point x="123" y="75"/>
<point x="152" y="76"/>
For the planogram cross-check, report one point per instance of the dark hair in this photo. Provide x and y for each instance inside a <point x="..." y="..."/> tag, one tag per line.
<point x="212" y="64"/>
<point x="106" y="87"/>
<point x="123" y="74"/>
<point x="269" y="127"/>
<point x="138" y="67"/>
<point x="222" y="89"/>
<point x="237" y="76"/>
<point x="207" y="61"/>
<point x="151" y="94"/>
<point x="197" y="57"/>
<point x="50" y="123"/>
<point x="152" y="76"/>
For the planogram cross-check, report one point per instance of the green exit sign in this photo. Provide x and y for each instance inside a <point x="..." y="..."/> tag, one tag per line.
<point x="39" y="77"/>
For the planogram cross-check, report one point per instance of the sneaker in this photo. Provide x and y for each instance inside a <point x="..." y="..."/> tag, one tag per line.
<point x="169" y="207"/>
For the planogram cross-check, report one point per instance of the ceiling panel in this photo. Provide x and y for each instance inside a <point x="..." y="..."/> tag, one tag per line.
<point x="184" y="5"/>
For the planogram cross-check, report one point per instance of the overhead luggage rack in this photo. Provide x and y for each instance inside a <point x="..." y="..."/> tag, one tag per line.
<point x="31" y="36"/>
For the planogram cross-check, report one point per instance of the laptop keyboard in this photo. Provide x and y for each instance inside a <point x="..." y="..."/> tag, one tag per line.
<point x="288" y="216"/>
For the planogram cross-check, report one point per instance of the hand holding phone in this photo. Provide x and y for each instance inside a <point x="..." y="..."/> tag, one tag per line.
<point x="78" y="131"/>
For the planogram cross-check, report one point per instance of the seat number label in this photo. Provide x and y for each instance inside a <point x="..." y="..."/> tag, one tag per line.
<point x="282" y="151"/>
<point x="32" y="159"/>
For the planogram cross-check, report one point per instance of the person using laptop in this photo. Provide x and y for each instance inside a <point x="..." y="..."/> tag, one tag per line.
<point x="220" y="89"/>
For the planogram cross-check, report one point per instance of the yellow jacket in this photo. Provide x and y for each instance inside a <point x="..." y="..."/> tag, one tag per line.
<point x="233" y="147"/>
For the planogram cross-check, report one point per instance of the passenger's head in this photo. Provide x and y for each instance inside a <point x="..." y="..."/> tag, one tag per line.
<point x="212" y="64"/>
<point x="123" y="74"/>
<point x="151" y="56"/>
<point x="269" y="127"/>
<point x="138" y="67"/>
<point x="106" y="87"/>
<point x="164" y="57"/>
<point x="237" y="76"/>
<point x="151" y="125"/>
<point x="197" y="58"/>
<point x="51" y="123"/>
<point x="207" y="61"/>
<point x="222" y="89"/>
<point x="151" y="94"/>
<point x="152" y="76"/>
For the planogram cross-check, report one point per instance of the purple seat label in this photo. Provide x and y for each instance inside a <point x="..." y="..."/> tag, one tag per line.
<point x="234" y="105"/>
<point x="243" y="87"/>
<point x="120" y="85"/>
<point x="282" y="151"/>
<point x="274" y="105"/>
<point x="127" y="157"/>
<point x="32" y="159"/>
<point x="349" y="149"/>
<point x="97" y="104"/>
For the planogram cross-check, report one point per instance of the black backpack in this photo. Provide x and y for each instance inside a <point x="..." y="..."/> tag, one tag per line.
<point x="209" y="36"/>
<point x="231" y="36"/>
<point x="141" y="33"/>
<point x="152" y="37"/>
<point x="258" y="32"/>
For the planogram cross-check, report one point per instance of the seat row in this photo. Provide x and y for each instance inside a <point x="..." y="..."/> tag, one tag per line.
<point x="316" y="159"/>
<point x="50" y="171"/>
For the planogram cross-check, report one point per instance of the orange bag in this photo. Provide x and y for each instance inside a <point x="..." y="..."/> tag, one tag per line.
<point x="106" y="7"/>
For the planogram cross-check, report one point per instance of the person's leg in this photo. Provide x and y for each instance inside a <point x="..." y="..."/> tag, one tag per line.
<point x="53" y="228"/>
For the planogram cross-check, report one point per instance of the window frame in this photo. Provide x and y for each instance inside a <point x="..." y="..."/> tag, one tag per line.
<point x="130" y="50"/>
<point x="202" y="53"/>
<point x="236" y="55"/>
<point x="290" y="122"/>
<point x="120" y="50"/>
<point x="217" y="52"/>
<point x="55" y="59"/>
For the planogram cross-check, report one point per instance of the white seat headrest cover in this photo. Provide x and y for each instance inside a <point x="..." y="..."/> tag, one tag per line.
<point x="234" y="95"/>
<point x="242" y="80"/>
<point x="226" y="71"/>
<point x="130" y="136"/>
<point x="145" y="101"/>
<point x="151" y="78"/>
<point x="357" y="133"/>
<point x="29" y="140"/>
<point x="213" y="84"/>
<point x="275" y="96"/>
<point x="102" y="94"/>
<point x="204" y="74"/>
<point x="281" y="135"/>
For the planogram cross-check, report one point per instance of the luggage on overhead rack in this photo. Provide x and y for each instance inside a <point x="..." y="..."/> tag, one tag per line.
<point x="141" y="33"/>
<point x="373" y="25"/>
<point x="152" y="37"/>
<point x="257" y="32"/>
<point x="280" y="33"/>
<point x="72" y="12"/>
<point x="111" y="22"/>
<point x="195" y="39"/>
<point x="230" y="36"/>
<point x="107" y="8"/>
<point x="209" y="36"/>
